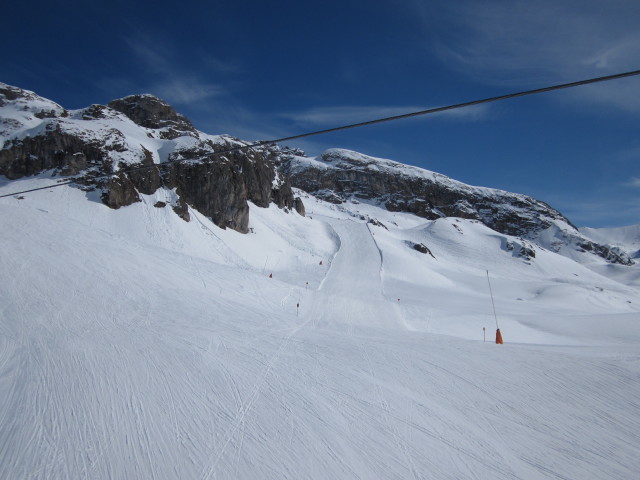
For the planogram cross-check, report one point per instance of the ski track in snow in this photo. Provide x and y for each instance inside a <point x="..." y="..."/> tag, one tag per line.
<point x="245" y="407"/>
<point x="125" y="358"/>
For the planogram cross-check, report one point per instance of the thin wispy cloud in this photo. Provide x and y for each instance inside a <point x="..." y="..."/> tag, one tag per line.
<point x="214" y="64"/>
<point x="174" y="82"/>
<point x="596" y="208"/>
<point x="536" y="43"/>
<point x="634" y="182"/>
<point x="186" y="90"/>
<point x="344" y="115"/>
<point x="621" y="95"/>
<point x="603" y="203"/>
<point x="618" y="53"/>
<point x="563" y="38"/>
<point x="149" y="54"/>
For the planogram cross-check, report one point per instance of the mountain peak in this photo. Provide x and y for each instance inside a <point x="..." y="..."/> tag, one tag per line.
<point x="150" y="111"/>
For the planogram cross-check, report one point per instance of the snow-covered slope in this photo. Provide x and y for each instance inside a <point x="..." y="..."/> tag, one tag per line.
<point x="626" y="238"/>
<point x="339" y="175"/>
<point x="136" y="345"/>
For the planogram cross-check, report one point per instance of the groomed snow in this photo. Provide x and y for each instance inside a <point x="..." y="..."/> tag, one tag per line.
<point x="136" y="345"/>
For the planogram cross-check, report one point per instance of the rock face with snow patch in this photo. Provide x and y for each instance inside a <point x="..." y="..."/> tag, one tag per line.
<point x="53" y="149"/>
<point x="136" y="145"/>
<point x="339" y="175"/>
<point x="151" y="112"/>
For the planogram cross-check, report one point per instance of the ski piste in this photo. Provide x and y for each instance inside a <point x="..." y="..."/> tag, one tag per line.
<point x="137" y="345"/>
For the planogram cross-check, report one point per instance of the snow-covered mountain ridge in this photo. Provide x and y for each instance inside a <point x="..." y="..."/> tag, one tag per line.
<point x="624" y="238"/>
<point x="104" y="147"/>
<point x="340" y="175"/>
<point x="38" y="135"/>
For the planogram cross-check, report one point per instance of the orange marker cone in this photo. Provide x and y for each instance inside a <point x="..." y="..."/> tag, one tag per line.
<point x="499" y="337"/>
<point x="271" y="275"/>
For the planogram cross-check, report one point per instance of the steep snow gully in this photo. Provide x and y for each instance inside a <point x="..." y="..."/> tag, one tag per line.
<point x="126" y="352"/>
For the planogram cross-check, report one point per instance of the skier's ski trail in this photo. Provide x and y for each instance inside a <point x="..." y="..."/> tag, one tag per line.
<point x="350" y="296"/>
<point x="246" y="407"/>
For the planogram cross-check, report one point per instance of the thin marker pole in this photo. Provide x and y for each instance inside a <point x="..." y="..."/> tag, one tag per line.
<point x="492" y="302"/>
<point x="499" y="340"/>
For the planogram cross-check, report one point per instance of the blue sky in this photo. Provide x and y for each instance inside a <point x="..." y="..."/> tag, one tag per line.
<point x="263" y="70"/>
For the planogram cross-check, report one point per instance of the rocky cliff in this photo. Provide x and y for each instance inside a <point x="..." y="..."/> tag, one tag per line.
<point x="136" y="145"/>
<point x="339" y="175"/>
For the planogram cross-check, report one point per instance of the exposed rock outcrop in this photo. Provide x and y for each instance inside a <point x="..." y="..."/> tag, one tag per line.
<point x="152" y="112"/>
<point x="340" y="175"/>
<point x="92" y="144"/>
<point x="54" y="149"/>
<point x="421" y="247"/>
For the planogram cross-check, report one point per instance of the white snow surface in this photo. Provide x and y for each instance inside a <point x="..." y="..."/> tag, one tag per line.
<point x="627" y="238"/>
<point x="134" y="345"/>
